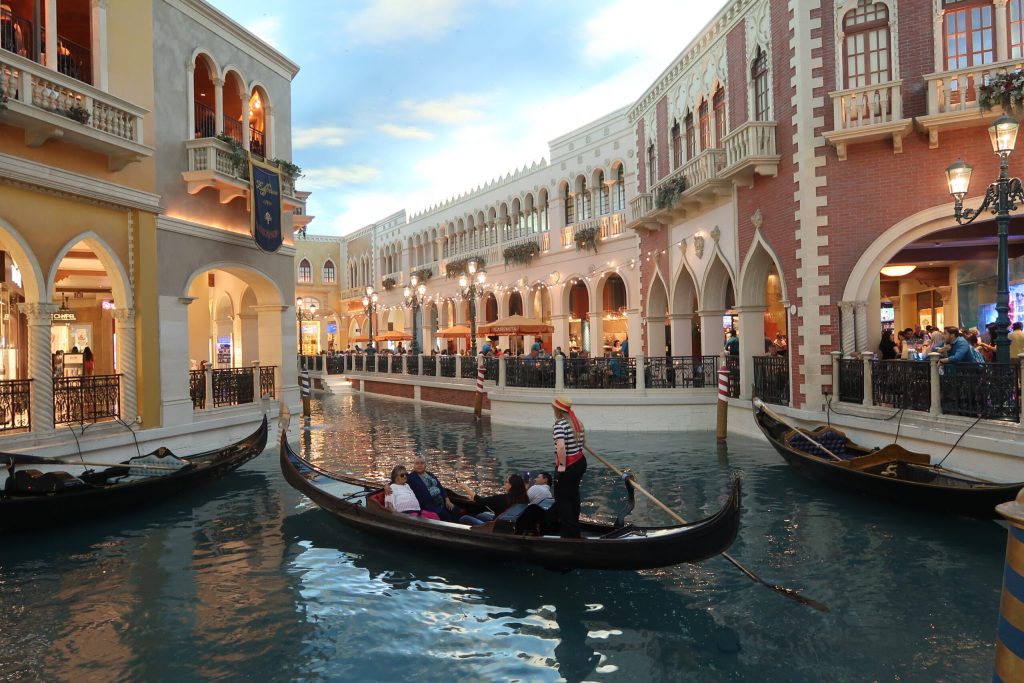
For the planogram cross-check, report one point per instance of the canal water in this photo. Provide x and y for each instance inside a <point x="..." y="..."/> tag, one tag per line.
<point x="247" y="580"/>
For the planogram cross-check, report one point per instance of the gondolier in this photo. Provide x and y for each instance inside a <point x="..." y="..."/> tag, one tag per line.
<point x="570" y="465"/>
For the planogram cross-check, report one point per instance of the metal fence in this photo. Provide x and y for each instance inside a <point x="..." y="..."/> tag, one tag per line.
<point x="533" y="373"/>
<point x="681" y="372"/>
<point x="446" y="366"/>
<point x="268" y="383"/>
<point x="988" y="390"/>
<point x="233" y="386"/>
<point x="600" y="373"/>
<point x="491" y="369"/>
<point x="336" y="365"/>
<point x="382" y="362"/>
<point x="732" y="364"/>
<point x="197" y="388"/>
<point x="469" y="365"/>
<point x="901" y="384"/>
<point x="429" y="366"/>
<point x="771" y="379"/>
<point x="15" y="404"/>
<point x="311" y="363"/>
<point x="851" y="380"/>
<point x="358" y="363"/>
<point x="86" y="399"/>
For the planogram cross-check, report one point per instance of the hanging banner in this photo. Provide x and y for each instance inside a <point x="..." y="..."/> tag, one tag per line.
<point x="265" y="216"/>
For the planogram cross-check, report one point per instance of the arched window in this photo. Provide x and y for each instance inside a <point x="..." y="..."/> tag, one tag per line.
<point x="604" y="194"/>
<point x="968" y="34"/>
<point x="652" y="167"/>
<point x="705" y="125"/>
<point x="1016" y="29"/>
<point x="866" y="44"/>
<point x="305" y="272"/>
<point x="677" y="146"/>
<point x="570" y="206"/>
<point x="329" y="273"/>
<point x="718" y="104"/>
<point x="583" y="197"/>
<point x="759" y="77"/>
<point x="691" y="139"/>
<point x="619" y="197"/>
<point x="257" y="123"/>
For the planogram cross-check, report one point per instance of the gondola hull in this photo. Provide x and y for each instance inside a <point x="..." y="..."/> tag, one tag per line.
<point x="891" y="473"/>
<point x="633" y="548"/>
<point x="19" y="511"/>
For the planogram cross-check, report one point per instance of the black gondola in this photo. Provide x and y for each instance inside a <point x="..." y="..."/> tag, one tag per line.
<point x="356" y="503"/>
<point x="31" y="498"/>
<point x="892" y="473"/>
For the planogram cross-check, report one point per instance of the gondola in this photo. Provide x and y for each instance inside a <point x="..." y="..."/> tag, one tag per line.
<point x="32" y="498"/>
<point x="891" y="473"/>
<point x="356" y="502"/>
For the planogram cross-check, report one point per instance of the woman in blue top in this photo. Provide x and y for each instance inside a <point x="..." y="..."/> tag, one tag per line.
<point x="570" y="465"/>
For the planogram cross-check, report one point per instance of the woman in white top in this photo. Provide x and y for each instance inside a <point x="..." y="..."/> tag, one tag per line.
<point x="399" y="497"/>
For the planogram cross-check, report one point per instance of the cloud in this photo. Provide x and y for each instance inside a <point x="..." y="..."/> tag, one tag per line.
<point x="388" y="21"/>
<point x="332" y="177"/>
<point x="322" y="136"/>
<point x="405" y="132"/>
<point x="451" y="110"/>
<point x="267" y="29"/>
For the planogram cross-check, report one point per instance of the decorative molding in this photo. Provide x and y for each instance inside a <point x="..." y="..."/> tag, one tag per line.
<point x="38" y="313"/>
<point x="126" y="316"/>
<point x="757" y="219"/>
<point x="31" y="175"/>
<point x="183" y="227"/>
<point x="698" y="246"/>
<point x="716" y="234"/>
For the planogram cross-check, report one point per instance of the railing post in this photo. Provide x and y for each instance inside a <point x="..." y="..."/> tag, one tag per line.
<point x="836" y="369"/>
<point x="391" y="359"/>
<point x="501" y="371"/>
<point x="257" y="382"/>
<point x="458" y="367"/>
<point x="641" y="384"/>
<point x="936" y="394"/>
<point x="208" y="380"/>
<point x="559" y="373"/>
<point x="869" y="389"/>
<point x="419" y="364"/>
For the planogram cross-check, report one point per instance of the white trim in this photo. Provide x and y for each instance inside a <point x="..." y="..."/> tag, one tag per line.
<point x="183" y="227"/>
<point x="21" y="170"/>
<point x="120" y="284"/>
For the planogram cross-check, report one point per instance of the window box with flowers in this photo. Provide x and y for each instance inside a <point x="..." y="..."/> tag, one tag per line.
<point x="1004" y="90"/>
<point x="388" y="284"/>
<point x="460" y="267"/>
<point x="237" y="156"/>
<point x="586" y="239"/>
<point x="424" y="274"/>
<point x="668" y="193"/>
<point x="77" y="112"/>
<point x="522" y="253"/>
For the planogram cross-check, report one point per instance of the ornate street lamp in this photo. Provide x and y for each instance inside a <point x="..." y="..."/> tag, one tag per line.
<point x="414" y="295"/>
<point x="1001" y="198"/>
<point x="472" y="287"/>
<point x="370" y="306"/>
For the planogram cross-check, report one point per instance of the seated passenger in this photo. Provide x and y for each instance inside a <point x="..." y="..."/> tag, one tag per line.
<point x="541" y="488"/>
<point x="540" y="515"/>
<point x="430" y="493"/>
<point x="398" y="497"/>
<point x="515" y="492"/>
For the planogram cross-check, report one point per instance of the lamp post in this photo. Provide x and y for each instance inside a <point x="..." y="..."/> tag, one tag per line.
<point x="303" y="313"/>
<point x="414" y="294"/>
<point x="472" y="286"/>
<point x="1001" y="198"/>
<point x="370" y="306"/>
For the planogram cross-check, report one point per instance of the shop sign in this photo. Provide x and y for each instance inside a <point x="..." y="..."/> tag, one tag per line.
<point x="63" y="317"/>
<point x="265" y="206"/>
<point x="332" y="328"/>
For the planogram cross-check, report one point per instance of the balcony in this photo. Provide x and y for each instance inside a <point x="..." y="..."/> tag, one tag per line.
<point x="52" y="106"/>
<point x="749" y="151"/>
<point x="607" y="226"/>
<point x="212" y="164"/>
<point x="953" y="99"/>
<point x="705" y="184"/>
<point x="874" y="112"/>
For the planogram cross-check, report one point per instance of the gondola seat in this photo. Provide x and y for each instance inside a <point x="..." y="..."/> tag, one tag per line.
<point x="832" y="440"/>
<point x="377" y="498"/>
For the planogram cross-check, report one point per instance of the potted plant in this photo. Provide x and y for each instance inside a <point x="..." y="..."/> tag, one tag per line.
<point x="1005" y="90"/>
<point x="667" y="193"/>
<point x="288" y="168"/>
<point x="388" y="283"/>
<point x="459" y="267"/>
<point x="586" y="239"/>
<point x="77" y="112"/>
<point x="237" y="154"/>
<point x="521" y="253"/>
<point x="424" y="274"/>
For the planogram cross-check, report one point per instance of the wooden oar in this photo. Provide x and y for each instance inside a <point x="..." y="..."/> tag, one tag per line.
<point x="759" y="404"/>
<point x="790" y="593"/>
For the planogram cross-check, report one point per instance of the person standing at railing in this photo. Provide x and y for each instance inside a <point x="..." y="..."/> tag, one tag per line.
<point x="732" y="344"/>
<point x="88" y="362"/>
<point x="1016" y="341"/>
<point x="887" y="347"/>
<point x="959" y="348"/>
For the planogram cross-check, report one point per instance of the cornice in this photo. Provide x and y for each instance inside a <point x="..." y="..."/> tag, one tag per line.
<point x="183" y="227"/>
<point x="237" y="35"/>
<point x="32" y="175"/>
<point x="714" y="31"/>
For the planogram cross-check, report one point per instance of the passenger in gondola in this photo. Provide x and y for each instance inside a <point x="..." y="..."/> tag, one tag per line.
<point x="430" y="493"/>
<point x="398" y="497"/>
<point x="540" y="516"/>
<point x="515" y="492"/>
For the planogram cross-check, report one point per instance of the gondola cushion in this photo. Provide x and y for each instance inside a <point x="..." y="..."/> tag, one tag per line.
<point x="34" y="481"/>
<point x="831" y="440"/>
<point x="505" y="523"/>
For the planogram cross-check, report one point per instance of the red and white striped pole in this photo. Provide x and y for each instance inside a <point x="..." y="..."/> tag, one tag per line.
<point x="478" y="407"/>
<point x="723" y="404"/>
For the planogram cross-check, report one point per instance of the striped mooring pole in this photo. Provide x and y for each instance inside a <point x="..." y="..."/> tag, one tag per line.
<point x="723" y="404"/>
<point x="478" y="407"/>
<point x="304" y="389"/>
<point x="1010" y="633"/>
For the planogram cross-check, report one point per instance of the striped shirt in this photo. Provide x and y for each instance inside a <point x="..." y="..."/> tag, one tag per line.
<point x="563" y="430"/>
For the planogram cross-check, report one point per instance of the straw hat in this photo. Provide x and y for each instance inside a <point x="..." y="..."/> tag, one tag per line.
<point x="563" y="403"/>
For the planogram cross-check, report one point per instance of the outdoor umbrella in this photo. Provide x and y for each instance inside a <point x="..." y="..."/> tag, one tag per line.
<point x="515" y="325"/>
<point x="394" y="335"/>
<point x="454" y="331"/>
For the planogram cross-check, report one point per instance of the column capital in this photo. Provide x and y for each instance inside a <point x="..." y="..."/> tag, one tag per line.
<point x="186" y="300"/>
<point x="846" y="306"/>
<point x="38" y="313"/>
<point x="217" y="82"/>
<point x="124" y="316"/>
<point x="751" y="309"/>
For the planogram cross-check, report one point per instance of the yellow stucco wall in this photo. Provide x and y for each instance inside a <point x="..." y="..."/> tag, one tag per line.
<point x="147" y="327"/>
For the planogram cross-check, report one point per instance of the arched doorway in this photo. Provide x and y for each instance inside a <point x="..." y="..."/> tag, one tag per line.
<point x="578" y="306"/>
<point x="657" y="315"/>
<point x="764" y="325"/>
<point x="614" y="324"/>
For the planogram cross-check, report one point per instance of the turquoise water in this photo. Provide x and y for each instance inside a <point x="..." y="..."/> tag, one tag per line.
<point x="247" y="580"/>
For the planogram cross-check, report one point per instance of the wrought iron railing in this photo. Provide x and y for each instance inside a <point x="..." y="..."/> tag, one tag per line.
<point x="73" y="60"/>
<point x="446" y="366"/>
<point x="988" y="390"/>
<point x="358" y="362"/>
<point x="429" y="366"/>
<point x="397" y="362"/>
<point x="233" y="129"/>
<point x="311" y="363"/>
<point x="257" y="142"/>
<point x="86" y="399"/>
<point x="268" y="385"/>
<point x="732" y="364"/>
<point x="469" y="364"/>
<point x="197" y="388"/>
<point x="491" y="369"/>
<point x="336" y="365"/>
<point x="15" y="404"/>
<point x="16" y="34"/>
<point x="206" y="120"/>
<point x="901" y="384"/>
<point x="233" y="386"/>
<point x="382" y="362"/>
<point x="534" y="373"/>
<point x="771" y="379"/>
<point x="412" y="365"/>
<point x="681" y="372"/>
<point x="851" y="380"/>
<point x="600" y="373"/>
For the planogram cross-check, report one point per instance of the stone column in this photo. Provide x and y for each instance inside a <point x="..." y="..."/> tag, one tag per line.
<point x="218" y="105"/>
<point x="836" y="357"/>
<point x="175" y="402"/>
<point x="751" y="334"/>
<point x="860" y="317"/>
<point x="40" y="364"/>
<point x="641" y="375"/>
<point x="712" y="340"/>
<point x="98" y="21"/>
<point x="869" y="388"/>
<point x="559" y="373"/>
<point x="275" y="331"/>
<point x="681" y="327"/>
<point x="50" y="9"/>
<point x="936" y="392"/>
<point x="560" y="336"/>
<point x="597" y="333"/>
<point x="124" y="328"/>
<point x="846" y="313"/>
<point x="1000" y="25"/>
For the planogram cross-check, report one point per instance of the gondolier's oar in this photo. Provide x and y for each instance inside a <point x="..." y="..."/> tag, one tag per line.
<point x="106" y="465"/>
<point x="788" y="592"/>
<point x="759" y="404"/>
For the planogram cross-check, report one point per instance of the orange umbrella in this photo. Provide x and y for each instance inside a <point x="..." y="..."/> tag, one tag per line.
<point x="514" y="325"/>
<point x="361" y="338"/>
<point x="454" y="331"/>
<point x="394" y="335"/>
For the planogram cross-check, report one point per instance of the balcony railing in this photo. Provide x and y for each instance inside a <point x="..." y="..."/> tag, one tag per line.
<point x="868" y="106"/>
<point x="533" y="373"/>
<point x="211" y="163"/>
<point x="901" y="384"/>
<point x="771" y="379"/>
<point x="988" y="390"/>
<point x="953" y="98"/>
<point x="206" y="120"/>
<point x="233" y="386"/>
<point x="750" y="150"/>
<point x="49" y="105"/>
<point x="257" y="142"/>
<point x="430" y="366"/>
<point x="469" y="367"/>
<point x="336" y="365"/>
<point x="600" y="373"/>
<point x="732" y="387"/>
<point x="641" y="206"/>
<point x="233" y="129"/>
<point x="851" y="380"/>
<point x="16" y="34"/>
<point x="86" y="399"/>
<point x="15" y="404"/>
<point x="682" y="372"/>
<point x="197" y="388"/>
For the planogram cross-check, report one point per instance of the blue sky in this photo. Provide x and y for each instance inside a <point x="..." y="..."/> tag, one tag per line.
<point x="404" y="103"/>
